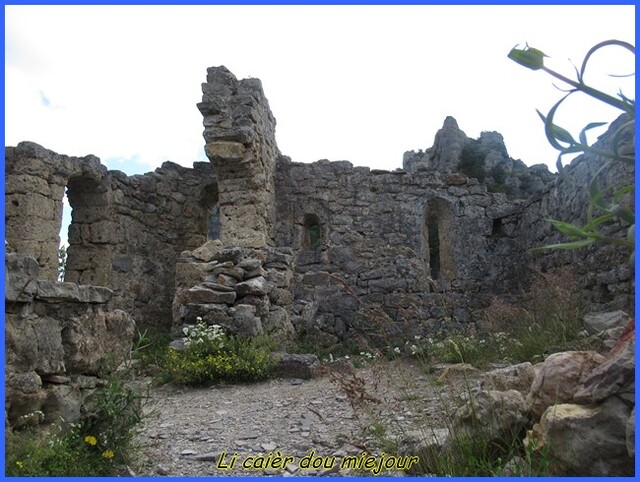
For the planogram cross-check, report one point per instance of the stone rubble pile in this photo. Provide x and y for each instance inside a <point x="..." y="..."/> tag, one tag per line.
<point x="244" y="290"/>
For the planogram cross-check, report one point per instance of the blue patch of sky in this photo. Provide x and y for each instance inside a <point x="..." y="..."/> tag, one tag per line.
<point x="129" y="165"/>
<point x="44" y="100"/>
<point x="201" y="156"/>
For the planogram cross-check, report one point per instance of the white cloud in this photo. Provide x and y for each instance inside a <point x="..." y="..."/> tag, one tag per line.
<point x="360" y="83"/>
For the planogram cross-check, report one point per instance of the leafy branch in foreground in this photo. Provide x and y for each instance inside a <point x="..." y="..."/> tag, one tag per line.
<point x="607" y="203"/>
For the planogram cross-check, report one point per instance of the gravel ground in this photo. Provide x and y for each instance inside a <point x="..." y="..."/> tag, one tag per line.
<point x="374" y="409"/>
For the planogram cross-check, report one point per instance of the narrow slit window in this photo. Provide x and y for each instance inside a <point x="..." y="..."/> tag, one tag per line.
<point x="214" y="222"/>
<point x="434" y="247"/>
<point x="438" y="239"/>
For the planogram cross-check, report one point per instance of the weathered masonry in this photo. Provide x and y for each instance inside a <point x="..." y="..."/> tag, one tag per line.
<point x="259" y="243"/>
<point x="396" y="239"/>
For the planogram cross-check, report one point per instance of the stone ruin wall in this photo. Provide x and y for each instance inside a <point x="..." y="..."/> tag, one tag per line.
<point x="60" y="339"/>
<point x="420" y="247"/>
<point x="240" y="142"/>
<point x="126" y="232"/>
<point x="604" y="272"/>
<point x="125" y="238"/>
<point x="323" y="248"/>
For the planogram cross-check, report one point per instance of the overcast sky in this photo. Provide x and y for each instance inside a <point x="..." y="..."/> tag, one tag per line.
<point x="357" y="83"/>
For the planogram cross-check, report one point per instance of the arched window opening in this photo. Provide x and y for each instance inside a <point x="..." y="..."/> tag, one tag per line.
<point x="438" y="239"/>
<point x="312" y="232"/>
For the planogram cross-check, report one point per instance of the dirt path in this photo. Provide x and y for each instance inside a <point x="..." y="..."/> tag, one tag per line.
<point x="371" y="409"/>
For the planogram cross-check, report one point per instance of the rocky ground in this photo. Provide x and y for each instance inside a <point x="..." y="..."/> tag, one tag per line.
<point x="373" y="409"/>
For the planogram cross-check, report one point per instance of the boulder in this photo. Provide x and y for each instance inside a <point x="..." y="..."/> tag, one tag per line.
<point x="203" y="295"/>
<point x="21" y="273"/>
<point x="211" y="314"/>
<point x="559" y="378"/>
<point x="585" y="440"/>
<point x="516" y="377"/>
<point x="245" y="322"/>
<point x="33" y="343"/>
<point x="429" y="445"/>
<point x="208" y="251"/>
<point x="456" y="371"/>
<point x="291" y="365"/>
<point x="277" y="322"/>
<point x="603" y="321"/>
<point x="62" y="404"/>
<point x="23" y="399"/>
<point x="250" y="264"/>
<point x="616" y="375"/>
<point x="492" y="414"/>
<point x="631" y="433"/>
<point x="97" y="340"/>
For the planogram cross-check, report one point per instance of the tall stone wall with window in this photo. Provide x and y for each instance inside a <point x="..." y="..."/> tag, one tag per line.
<point x="382" y="252"/>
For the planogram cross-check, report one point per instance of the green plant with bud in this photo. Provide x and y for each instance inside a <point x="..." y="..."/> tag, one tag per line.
<point x="606" y="203"/>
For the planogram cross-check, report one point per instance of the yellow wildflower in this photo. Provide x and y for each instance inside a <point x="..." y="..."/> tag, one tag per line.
<point x="20" y="464"/>
<point x="91" y="440"/>
<point x="108" y="454"/>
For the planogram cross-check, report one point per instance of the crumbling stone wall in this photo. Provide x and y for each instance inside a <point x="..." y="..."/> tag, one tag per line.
<point x="126" y="232"/>
<point x="423" y="245"/>
<point x="375" y="248"/>
<point x="60" y="339"/>
<point x="606" y="275"/>
<point x="35" y="180"/>
<point x="240" y="142"/>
